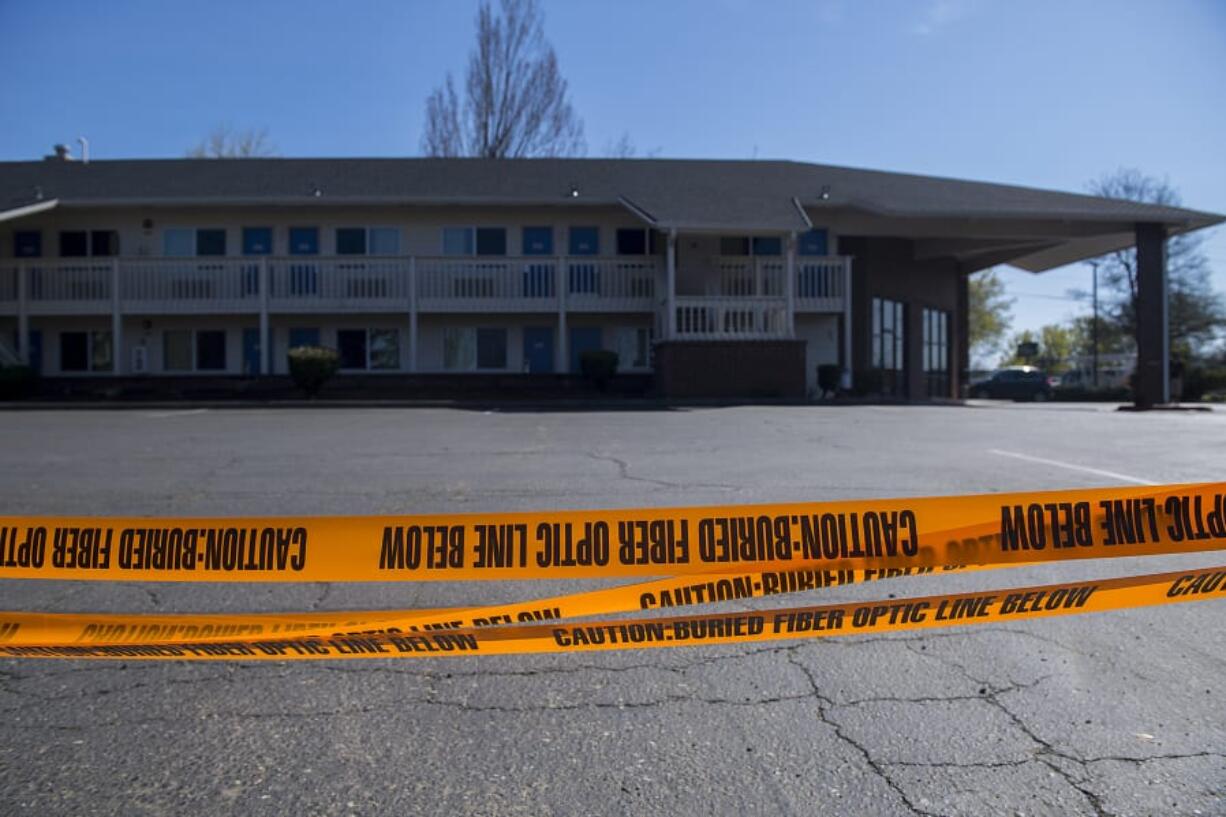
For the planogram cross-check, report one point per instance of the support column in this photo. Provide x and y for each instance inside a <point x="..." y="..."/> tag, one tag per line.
<point x="789" y="286"/>
<point x="265" y="333"/>
<point x="117" y="355"/>
<point x="1153" y="382"/>
<point x="563" y="287"/>
<point x="23" y="315"/>
<point x="848" y="355"/>
<point x="670" y="289"/>
<point x="413" y="314"/>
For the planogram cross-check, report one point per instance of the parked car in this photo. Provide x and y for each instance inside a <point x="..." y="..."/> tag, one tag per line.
<point x="1014" y="383"/>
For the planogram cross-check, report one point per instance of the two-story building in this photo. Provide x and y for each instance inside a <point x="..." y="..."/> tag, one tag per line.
<point x="721" y="277"/>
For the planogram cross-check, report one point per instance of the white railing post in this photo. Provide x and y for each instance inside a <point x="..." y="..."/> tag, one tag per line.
<point x="23" y="316"/>
<point x="847" y="366"/>
<point x="563" y="286"/>
<point x="265" y="332"/>
<point x="670" y="288"/>
<point x="412" y="313"/>
<point x="117" y="356"/>
<point x="789" y="286"/>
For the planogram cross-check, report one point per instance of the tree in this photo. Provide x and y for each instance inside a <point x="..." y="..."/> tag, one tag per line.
<point x="515" y="101"/>
<point x="1056" y="345"/>
<point x="225" y="143"/>
<point x="1196" y="311"/>
<point x="624" y="148"/>
<point x="989" y="313"/>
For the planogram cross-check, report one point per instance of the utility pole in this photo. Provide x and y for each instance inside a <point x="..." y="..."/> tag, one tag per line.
<point x="1094" y="322"/>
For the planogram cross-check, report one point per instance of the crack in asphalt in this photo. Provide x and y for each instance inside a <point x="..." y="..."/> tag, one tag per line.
<point x="1073" y="770"/>
<point x="623" y="472"/>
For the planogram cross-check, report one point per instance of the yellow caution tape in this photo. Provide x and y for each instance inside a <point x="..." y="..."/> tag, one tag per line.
<point x="44" y="628"/>
<point x="990" y="529"/>
<point x="926" y="612"/>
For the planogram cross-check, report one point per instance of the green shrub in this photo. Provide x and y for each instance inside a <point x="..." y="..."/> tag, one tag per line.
<point x="1199" y="381"/>
<point x="598" y="366"/>
<point x="1089" y="394"/>
<point x="828" y="376"/>
<point x="312" y="366"/>
<point x="16" y="382"/>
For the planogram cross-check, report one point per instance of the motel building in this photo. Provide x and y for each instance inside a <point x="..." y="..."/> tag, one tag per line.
<point x="717" y="278"/>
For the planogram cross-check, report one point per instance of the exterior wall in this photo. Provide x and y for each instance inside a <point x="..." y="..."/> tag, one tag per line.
<point x="887" y="268"/>
<point x="731" y="369"/>
<point x="421" y="227"/>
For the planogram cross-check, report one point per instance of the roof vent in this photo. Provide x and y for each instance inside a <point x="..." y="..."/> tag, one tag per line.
<point x="62" y="154"/>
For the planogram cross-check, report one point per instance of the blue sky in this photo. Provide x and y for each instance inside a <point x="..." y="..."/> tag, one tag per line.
<point x="1048" y="94"/>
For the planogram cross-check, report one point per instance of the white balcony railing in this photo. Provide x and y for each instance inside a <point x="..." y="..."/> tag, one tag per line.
<point x="318" y="284"/>
<point x="820" y="283"/>
<point x="745" y="275"/>
<point x="742" y="292"/>
<point x="731" y="318"/>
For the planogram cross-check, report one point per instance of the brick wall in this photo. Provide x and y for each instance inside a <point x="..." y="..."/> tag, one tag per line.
<point x="761" y="368"/>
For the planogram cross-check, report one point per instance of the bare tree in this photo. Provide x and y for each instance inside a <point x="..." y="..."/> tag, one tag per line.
<point x="1195" y="310"/>
<point x="624" y="148"/>
<point x="223" y="142"/>
<point x="515" y="103"/>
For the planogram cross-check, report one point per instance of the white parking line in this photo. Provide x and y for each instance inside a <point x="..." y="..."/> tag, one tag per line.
<point x="162" y="415"/>
<point x="1072" y="467"/>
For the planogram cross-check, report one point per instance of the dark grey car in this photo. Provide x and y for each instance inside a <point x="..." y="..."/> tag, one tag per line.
<point x="1014" y="383"/>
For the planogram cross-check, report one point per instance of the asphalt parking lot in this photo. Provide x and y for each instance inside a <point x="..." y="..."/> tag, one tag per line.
<point x="1105" y="714"/>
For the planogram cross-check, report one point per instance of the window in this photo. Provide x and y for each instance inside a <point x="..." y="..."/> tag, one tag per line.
<point x="491" y="348"/>
<point x="887" y="345"/>
<point x="86" y="352"/>
<point x="304" y="241"/>
<point x="210" y="242"/>
<point x="257" y="240"/>
<point x="936" y="352"/>
<point x="538" y="241"/>
<point x="178" y="242"/>
<point x="813" y="242"/>
<point x="459" y="348"/>
<point x="369" y="348"/>
<point x="734" y="245"/>
<point x="83" y="243"/>
<point x="177" y="350"/>
<point x="887" y="334"/>
<point x="103" y="243"/>
<point x="185" y="350"/>
<point x="74" y="244"/>
<point x="211" y="350"/>
<point x="767" y="245"/>
<point x="27" y="244"/>
<point x="351" y="241"/>
<point x="467" y="348"/>
<point x="383" y="241"/>
<point x="303" y="336"/>
<point x="635" y="241"/>
<point x="491" y="241"/>
<point x="457" y="241"/>
<point x="185" y="242"/>
<point x="745" y="245"/>
<point x="585" y="241"/>
<point x="633" y="347"/>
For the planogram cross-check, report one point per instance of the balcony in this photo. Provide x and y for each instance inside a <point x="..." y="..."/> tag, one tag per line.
<point x="306" y="284"/>
<point x="744" y="298"/>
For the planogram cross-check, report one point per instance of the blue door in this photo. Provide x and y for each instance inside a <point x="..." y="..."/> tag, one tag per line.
<point x="35" y="347"/>
<point x="582" y="338"/>
<point x="251" y="351"/>
<point x="538" y="349"/>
